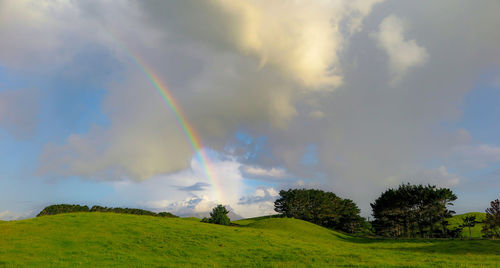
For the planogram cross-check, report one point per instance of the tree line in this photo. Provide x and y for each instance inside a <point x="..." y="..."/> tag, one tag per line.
<point x="413" y="210"/>
<point x="406" y="211"/>
<point x="320" y="207"/>
<point x="491" y="225"/>
<point x="68" y="208"/>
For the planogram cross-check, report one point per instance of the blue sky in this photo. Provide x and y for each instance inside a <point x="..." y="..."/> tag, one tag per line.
<point x="352" y="97"/>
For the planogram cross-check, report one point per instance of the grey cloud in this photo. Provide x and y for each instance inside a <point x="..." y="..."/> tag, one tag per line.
<point x="261" y="195"/>
<point x="403" y="54"/>
<point x="18" y="112"/>
<point x="220" y="87"/>
<point x="369" y="134"/>
<point x="199" y="186"/>
<point x="373" y="135"/>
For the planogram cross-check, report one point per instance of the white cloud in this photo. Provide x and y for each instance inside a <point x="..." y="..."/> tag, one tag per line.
<point x="12" y="216"/>
<point x="237" y="65"/>
<point x="403" y="54"/>
<point x="168" y="193"/>
<point x="263" y="172"/>
<point x="253" y="72"/>
<point x="439" y="176"/>
<point x="476" y="156"/>
<point x="303" y="42"/>
<point x="261" y="194"/>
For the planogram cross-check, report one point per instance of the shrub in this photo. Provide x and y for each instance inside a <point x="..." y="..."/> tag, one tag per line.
<point x="62" y="208"/>
<point x="218" y="216"/>
<point x="166" y="215"/>
<point x="320" y="207"/>
<point x="66" y="208"/>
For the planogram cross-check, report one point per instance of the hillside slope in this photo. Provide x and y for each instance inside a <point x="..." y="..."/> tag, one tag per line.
<point x="476" y="230"/>
<point x="108" y="239"/>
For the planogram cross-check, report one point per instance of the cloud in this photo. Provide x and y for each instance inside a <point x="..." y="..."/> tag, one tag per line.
<point x="18" y="112"/>
<point x="255" y="72"/>
<point x="311" y="76"/>
<point x="12" y="216"/>
<point x="262" y="194"/>
<point x="476" y="156"/>
<point x="371" y="133"/>
<point x="403" y="54"/>
<point x="199" y="186"/>
<point x="199" y="196"/>
<point x="303" y="42"/>
<point x="39" y="36"/>
<point x="259" y="172"/>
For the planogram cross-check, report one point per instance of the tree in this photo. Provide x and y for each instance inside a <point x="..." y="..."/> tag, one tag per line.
<point x="319" y="207"/>
<point x="62" y="208"/>
<point x="412" y="210"/>
<point x="491" y="225"/>
<point x="469" y="221"/>
<point x="67" y="208"/>
<point x="218" y="216"/>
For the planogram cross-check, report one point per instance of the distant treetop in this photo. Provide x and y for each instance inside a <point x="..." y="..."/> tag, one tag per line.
<point x="68" y="208"/>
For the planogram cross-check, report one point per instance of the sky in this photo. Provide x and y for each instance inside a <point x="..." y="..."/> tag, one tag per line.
<point x="348" y="96"/>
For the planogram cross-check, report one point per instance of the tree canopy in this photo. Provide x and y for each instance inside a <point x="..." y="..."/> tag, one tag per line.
<point x="319" y="207"/>
<point x="218" y="216"/>
<point x="62" y="208"/>
<point x="412" y="210"/>
<point x="67" y="208"/>
<point x="491" y="225"/>
<point x="469" y="221"/>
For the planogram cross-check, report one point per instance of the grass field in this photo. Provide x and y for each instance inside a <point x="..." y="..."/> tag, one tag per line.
<point x="476" y="230"/>
<point x="108" y="239"/>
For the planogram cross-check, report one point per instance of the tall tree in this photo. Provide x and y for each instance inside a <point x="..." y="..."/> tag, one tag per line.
<point x="469" y="221"/>
<point x="319" y="207"/>
<point x="491" y="225"/>
<point x="412" y="209"/>
<point x="219" y="215"/>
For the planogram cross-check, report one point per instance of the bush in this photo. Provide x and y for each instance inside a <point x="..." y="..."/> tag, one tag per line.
<point x="134" y="211"/>
<point x="66" y="208"/>
<point x="218" y="216"/>
<point x="62" y="208"/>
<point x="320" y="207"/>
<point x="167" y="215"/>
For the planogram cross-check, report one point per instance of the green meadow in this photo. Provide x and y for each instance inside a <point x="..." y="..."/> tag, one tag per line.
<point x="120" y="240"/>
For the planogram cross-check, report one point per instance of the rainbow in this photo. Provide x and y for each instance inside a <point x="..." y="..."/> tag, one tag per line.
<point x="191" y="135"/>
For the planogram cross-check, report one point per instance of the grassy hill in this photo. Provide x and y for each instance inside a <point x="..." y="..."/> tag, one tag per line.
<point x="476" y="230"/>
<point x="252" y="220"/>
<point x="108" y="239"/>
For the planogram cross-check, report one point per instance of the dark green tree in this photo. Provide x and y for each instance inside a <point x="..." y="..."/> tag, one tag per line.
<point x="319" y="207"/>
<point x="67" y="208"/>
<point x="469" y="222"/>
<point x="62" y="208"/>
<point x="219" y="215"/>
<point x="491" y="225"/>
<point x="412" y="210"/>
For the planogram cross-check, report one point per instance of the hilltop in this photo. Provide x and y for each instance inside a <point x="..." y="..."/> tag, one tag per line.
<point x="107" y="239"/>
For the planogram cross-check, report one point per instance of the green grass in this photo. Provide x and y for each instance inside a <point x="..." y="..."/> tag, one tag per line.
<point x="476" y="230"/>
<point x="108" y="239"/>
<point x="252" y="220"/>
